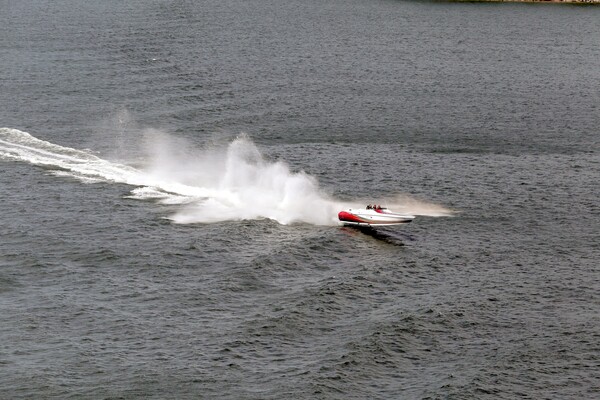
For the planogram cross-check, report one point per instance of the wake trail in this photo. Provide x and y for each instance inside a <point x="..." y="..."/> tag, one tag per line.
<point x="21" y="146"/>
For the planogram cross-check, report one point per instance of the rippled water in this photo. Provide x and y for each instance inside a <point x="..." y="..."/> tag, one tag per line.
<point x="149" y="249"/>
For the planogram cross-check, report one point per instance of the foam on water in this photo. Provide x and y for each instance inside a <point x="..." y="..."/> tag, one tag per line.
<point x="210" y="185"/>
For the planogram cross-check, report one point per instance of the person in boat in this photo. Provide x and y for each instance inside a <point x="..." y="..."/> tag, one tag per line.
<point x="369" y="207"/>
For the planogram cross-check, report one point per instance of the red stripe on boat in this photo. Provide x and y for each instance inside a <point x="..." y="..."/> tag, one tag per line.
<point x="348" y="217"/>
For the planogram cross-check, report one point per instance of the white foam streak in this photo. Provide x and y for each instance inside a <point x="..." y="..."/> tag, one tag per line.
<point x="21" y="146"/>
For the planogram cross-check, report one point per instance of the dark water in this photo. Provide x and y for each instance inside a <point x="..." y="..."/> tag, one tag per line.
<point x="113" y="284"/>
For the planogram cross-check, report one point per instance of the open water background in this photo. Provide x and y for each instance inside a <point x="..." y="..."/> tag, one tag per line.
<point x="488" y="109"/>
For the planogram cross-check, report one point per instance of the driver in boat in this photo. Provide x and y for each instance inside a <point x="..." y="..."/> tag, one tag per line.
<point x="369" y="207"/>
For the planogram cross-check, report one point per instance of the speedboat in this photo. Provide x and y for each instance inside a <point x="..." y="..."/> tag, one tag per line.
<point x="373" y="216"/>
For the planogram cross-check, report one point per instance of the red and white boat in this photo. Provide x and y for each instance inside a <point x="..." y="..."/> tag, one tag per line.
<point x="373" y="216"/>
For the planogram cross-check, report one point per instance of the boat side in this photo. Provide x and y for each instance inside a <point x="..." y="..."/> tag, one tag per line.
<point x="372" y="217"/>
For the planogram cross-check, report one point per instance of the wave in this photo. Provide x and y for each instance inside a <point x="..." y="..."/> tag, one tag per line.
<point x="213" y="185"/>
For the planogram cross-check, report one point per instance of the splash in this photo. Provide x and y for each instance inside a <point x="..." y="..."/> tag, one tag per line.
<point x="232" y="182"/>
<point x="243" y="184"/>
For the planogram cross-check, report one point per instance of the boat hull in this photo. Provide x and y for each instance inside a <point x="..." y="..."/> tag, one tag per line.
<point x="373" y="217"/>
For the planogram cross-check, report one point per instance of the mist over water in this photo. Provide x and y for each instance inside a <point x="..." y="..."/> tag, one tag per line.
<point x="228" y="183"/>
